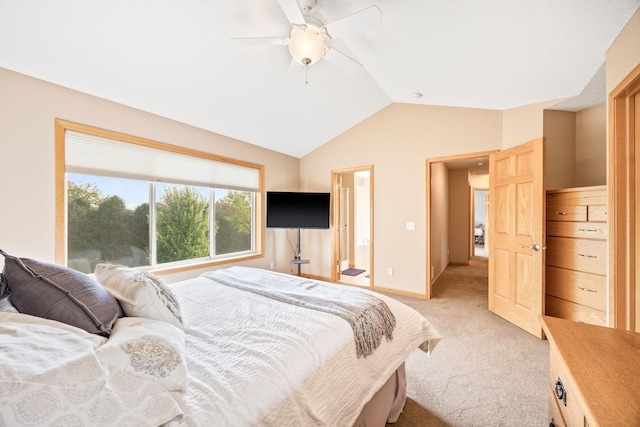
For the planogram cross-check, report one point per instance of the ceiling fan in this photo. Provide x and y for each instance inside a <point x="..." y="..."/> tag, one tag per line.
<point x="310" y="40"/>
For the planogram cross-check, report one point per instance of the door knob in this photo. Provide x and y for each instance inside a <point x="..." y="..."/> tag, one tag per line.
<point x="536" y="247"/>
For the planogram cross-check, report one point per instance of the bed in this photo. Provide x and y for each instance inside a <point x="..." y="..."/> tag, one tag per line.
<point x="233" y="347"/>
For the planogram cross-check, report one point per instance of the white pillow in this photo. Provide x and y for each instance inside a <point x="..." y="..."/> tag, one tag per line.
<point x="149" y="349"/>
<point x="48" y="324"/>
<point x="140" y="294"/>
<point x="5" y="305"/>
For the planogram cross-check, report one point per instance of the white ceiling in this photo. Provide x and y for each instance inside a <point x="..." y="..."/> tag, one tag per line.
<point x="174" y="58"/>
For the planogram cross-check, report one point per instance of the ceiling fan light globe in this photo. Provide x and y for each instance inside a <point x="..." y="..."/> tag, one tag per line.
<point x="307" y="44"/>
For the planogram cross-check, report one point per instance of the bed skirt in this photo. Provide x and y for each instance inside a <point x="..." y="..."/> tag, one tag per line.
<point x="387" y="404"/>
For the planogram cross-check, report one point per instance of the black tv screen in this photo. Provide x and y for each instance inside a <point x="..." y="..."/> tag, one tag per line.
<point x="297" y="210"/>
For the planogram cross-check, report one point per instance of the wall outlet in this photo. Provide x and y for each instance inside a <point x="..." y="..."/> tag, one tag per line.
<point x="411" y="225"/>
<point x="433" y="271"/>
<point x="271" y="266"/>
<point x="389" y="271"/>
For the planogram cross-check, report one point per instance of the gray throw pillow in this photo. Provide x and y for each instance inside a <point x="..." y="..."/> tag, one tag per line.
<point x="5" y="304"/>
<point x="4" y="287"/>
<point x="60" y="293"/>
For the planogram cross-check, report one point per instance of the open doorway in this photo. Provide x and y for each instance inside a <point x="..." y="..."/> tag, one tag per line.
<point x="480" y="227"/>
<point x="353" y="231"/>
<point x="451" y="222"/>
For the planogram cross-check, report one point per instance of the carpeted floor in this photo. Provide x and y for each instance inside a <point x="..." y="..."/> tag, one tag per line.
<point x="484" y="372"/>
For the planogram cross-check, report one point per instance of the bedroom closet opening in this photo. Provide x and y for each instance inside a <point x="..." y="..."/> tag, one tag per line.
<point x="353" y="219"/>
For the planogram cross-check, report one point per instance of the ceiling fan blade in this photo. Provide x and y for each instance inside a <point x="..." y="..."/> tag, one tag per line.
<point x="342" y="61"/>
<point x="258" y="41"/>
<point x="292" y="11"/>
<point x="293" y="71"/>
<point x="358" y="21"/>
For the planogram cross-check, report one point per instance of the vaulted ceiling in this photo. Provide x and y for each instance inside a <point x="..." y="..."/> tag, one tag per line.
<point x="176" y="58"/>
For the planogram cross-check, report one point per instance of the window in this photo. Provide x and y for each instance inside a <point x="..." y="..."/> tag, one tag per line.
<point x="142" y="203"/>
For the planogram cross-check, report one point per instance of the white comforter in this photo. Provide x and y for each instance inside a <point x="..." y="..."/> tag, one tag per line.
<point x="254" y="361"/>
<point x="50" y="375"/>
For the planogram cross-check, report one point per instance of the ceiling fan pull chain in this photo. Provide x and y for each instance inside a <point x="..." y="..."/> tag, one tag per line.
<point x="306" y="62"/>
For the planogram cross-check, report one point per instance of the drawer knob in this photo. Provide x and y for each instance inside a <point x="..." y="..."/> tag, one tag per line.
<point x="587" y="256"/>
<point x="586" y="289"/>
<point x="588" y="230"/>
<point x="560" y="391"/>
<point x="563" y="213"/>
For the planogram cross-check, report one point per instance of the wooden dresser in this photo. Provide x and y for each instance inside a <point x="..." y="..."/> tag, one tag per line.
<point x="594" y="374"/>
<point x="576" y="267"/>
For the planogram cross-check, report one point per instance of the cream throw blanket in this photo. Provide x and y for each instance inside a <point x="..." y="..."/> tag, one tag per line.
<point x="370" y="317"/>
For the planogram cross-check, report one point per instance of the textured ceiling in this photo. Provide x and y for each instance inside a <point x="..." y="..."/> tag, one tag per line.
<point x="175" y="59"/>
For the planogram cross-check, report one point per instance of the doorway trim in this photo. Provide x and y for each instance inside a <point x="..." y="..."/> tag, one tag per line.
<point x="429" y="280"/>
<point x="335" y="215"/>
<point x="624" y="206"/>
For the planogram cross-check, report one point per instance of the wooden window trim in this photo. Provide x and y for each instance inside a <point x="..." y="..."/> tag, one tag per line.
<point x="61" y="126"/>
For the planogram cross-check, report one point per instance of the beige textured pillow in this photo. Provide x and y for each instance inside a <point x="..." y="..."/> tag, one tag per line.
<point x="140" y="293"/>
<point x="148" y="349"/>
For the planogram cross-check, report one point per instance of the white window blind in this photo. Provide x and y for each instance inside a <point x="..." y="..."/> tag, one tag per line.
<point x="95" y="155"/>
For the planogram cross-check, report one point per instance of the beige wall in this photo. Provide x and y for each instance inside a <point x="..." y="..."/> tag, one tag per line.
<point x="439" y="241"/>
<point x="525" y="123"/>
<point x="28" y="108"/>
<point x="479" y="181"/>
<point x="591" y="146"/>
<point x="576" y="146"/>
<point x="397" y="141"/>
<point x="623" y="55"/>
<point x="459" y="216"/>
<point x="560" y="144"/>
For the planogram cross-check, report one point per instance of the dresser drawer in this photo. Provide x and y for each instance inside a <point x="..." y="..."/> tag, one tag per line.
<point x="575" y="286"/>
<point x="564" y="392"/>
<point x="577" y="254"/>
<point x="595" y="195"/>
<point x="566" y="212"/>
<point x="597" y="213"/>
<point x="557" y="307"/>
<point x="587" y="230"/>
<point x="555" y="416"/>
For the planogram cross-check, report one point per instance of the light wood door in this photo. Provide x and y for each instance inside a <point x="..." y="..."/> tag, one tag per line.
<point x="516" y="240"/>
<point x="340" y="237"/>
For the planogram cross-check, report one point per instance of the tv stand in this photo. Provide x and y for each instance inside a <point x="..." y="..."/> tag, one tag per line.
<point x="296" y="259"/>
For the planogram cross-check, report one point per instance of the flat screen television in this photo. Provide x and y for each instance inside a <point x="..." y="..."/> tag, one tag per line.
<point x="298" y="210"/>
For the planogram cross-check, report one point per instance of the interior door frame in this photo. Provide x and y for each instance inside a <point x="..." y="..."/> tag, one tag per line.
<point x="343" y="215"/>
<point x="335" y="214"/>
<point x="624" y="205"/>
<point x="429" y="282"/>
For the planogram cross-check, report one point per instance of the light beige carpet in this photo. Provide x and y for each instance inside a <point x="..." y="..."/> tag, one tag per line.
<point x="485" y="371"/>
